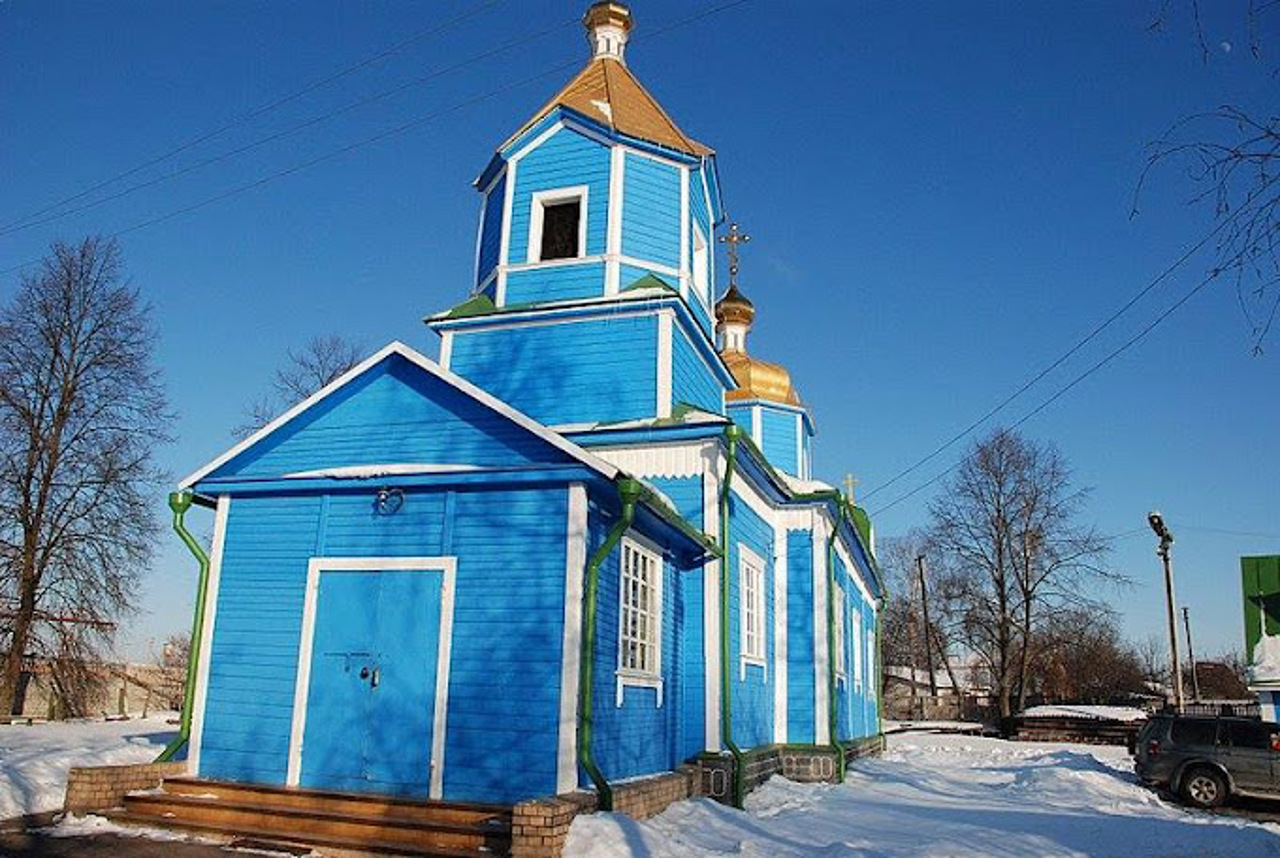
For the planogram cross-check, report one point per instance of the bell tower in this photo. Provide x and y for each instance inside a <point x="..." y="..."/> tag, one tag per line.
<point x="592" y="300"/>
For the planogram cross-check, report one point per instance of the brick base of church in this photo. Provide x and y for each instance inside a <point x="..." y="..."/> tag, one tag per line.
<point x="539" y="828"/>
<point x="93" y="788"/>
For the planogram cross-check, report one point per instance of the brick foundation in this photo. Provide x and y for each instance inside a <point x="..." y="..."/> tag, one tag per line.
<point x="540" y="827"/>
<point x="101" y="787"/>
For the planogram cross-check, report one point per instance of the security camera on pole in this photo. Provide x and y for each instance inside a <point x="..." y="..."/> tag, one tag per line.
<point x="1166" y="539"/>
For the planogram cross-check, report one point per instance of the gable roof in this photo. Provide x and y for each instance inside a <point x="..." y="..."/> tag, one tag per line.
<point x="430" y="367"/>
<point x="608" y="93"/>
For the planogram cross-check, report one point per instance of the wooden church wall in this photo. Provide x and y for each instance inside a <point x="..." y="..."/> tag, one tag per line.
<point x="641" y="736"/>
<point x="692" y="381"/>
<point x="800" y="637"/>
<point x="753" y="697"/>
<point x="565" y="159"/>
<point x="507" y="628"/>
<point x="778" y="431"/>
<point x="651" y="210"/>
<point x="491" y="229"/>
<point x="686" y="494"/>
<point x="580" y="371"/>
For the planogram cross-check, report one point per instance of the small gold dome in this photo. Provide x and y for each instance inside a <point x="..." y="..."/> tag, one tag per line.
<point x="758" y="379"/>
<point x="734" y="308"/>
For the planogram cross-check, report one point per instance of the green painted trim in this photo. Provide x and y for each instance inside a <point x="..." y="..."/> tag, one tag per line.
<point x="733" y="434"/>
<point x="476" y="305"/>
<point x="629" y="493"/>
<point x="651" y="281"/>
<point x="180" y="502"/>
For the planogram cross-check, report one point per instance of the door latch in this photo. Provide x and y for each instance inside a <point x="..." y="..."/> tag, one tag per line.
<point x="376" y="678"/>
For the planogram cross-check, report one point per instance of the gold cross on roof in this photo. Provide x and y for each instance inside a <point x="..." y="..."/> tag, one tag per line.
<point x="733" y="239"/>
<point x="850" y="481"/>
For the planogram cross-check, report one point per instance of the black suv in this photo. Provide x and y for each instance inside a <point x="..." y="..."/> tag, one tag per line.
<point x="1207" y="759"/>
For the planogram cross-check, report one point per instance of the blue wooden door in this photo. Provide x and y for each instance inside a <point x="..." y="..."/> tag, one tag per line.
<point x="371" y="700"/>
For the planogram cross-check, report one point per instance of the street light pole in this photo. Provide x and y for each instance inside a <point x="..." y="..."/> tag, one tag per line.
<point x="1191" y="655"/>
<point x="1166" y="539"/>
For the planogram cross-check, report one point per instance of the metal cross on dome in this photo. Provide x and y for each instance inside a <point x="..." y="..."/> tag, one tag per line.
<point x="733" y="239"/>
<point x="850" y="483"/>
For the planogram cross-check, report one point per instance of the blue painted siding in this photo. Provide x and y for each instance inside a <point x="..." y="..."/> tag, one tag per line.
<point x="491" y="230"/>
<point x="394" y="413"/>
<point x="686" y="494"/>
<point x="752" y="698"/>
<point x="651" y="211"/>
<point x="565" y="159"/>
<point x="555" y="283"/>
<point x="600" y="369"/>
<point x="639" y="737"/>
<point x="740" y="415"/>
<point x="856" y="710"/>
<point x="254" y="651"/>
<point x="629" y="274"/>
<point x="800" y="637"/>
<point x="778" y="432"/>
<point x="692" y="380"/>
<point x="507" y="633"/>
<point x="698" y="215"/>
<point x="844" y="687"/>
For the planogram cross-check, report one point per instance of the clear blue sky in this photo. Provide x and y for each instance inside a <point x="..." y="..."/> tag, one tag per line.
<point x="939" y="196"/>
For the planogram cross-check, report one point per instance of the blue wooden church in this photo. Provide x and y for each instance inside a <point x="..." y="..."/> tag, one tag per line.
<point x="580" y="546"/>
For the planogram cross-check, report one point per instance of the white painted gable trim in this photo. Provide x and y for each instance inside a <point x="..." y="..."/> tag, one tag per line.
<point x="666" y="319"/>
<point x="426" y="364"/>
<point x="196" y="740"/>
<point x="779" y="634"/>
<point x="659" y="460"/>
<point x="613" y="236"/>
<point x="821" y="652"/>
<point x="711" y="603"/>
<point x="685" y="278"/>
<point x="317" y="565"/>
<point x="571" y="652"/>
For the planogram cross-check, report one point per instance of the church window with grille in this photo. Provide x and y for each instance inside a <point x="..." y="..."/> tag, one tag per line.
<point x="641" y="619"/>
<point x="751" y="606"/>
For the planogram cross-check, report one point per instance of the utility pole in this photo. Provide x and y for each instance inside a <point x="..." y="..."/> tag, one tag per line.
<point x="1191" y="654"/>
<point x="928" y="648"/>
<point x="916" y="712"/>
<point x="1166" y="539"/>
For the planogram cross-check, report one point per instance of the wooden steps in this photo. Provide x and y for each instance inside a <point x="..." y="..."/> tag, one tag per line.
<point x="346" y="821"/>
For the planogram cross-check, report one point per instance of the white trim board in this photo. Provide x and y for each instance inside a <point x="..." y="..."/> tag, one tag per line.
<point x="426" y="364"/>
<point x="571" y="647"/>
<point x="711" y="605"/>
<point x="221" y="513"/>
<point x="665" y="362"/>
<point x="302" y="687"/>
<point x="780" y="649"/>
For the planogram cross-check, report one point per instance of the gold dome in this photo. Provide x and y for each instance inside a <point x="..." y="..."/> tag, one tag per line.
<point x="758" y="379"/>
<point x="735" y="308"/>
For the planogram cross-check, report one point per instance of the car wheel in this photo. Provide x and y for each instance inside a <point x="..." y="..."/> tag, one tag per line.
<point x="1204" y="787"/>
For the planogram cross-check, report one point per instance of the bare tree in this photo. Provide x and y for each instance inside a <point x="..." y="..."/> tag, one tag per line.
<point x="1231" y="155"/>
<point x="1004" y="527"/>
<point x="306" y="370"/>
<point x="81" y="411"/>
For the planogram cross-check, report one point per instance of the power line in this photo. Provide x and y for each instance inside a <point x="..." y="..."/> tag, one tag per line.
<point x="1209" y="278"/>
<point x="290" y="131"/>
<point x="1225" y="531"/>
<point x="258" y="111"/>
<point x="1106" y="323"/>
<point x="383" y="135"/>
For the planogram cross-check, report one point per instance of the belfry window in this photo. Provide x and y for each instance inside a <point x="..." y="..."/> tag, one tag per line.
<point x="557" y="225"/>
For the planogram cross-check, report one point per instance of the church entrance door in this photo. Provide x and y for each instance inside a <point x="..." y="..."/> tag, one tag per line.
<point x="374" y="685"/>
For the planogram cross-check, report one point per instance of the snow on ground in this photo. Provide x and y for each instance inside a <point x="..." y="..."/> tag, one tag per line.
<point x="1101" y="713"/>
<point x="940" y="795"/>
<point x="34" y="759"/>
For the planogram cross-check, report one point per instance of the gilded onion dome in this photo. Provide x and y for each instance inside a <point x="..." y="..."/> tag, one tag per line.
<point x="757" y="379"/>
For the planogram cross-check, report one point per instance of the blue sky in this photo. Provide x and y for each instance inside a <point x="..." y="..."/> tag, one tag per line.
<point x="939" y="197"/>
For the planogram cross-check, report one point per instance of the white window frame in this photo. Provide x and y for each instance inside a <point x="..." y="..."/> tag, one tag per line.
<point x="537" y="207"/>
<point x="840" y="654"/>
<point x="650" y="675"/>
<point x="753" y="646"/>
<point x="700" y="259"/>
<point x="873" y="678"/>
